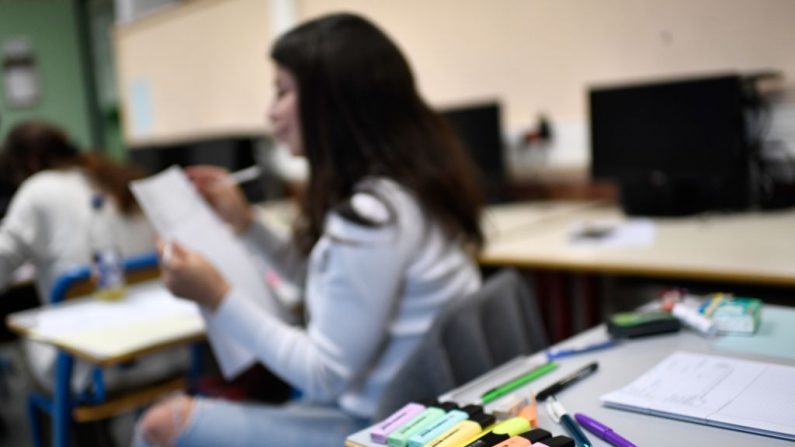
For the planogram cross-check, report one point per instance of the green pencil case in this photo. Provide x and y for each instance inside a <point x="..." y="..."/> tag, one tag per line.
<point x="640" y="324"/>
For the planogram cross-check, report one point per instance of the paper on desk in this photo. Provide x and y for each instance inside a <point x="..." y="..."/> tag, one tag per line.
<point x="738" y="394"/>
<point x="149" y="314"/>
<point x="146" y="304"/>
<point x="629" y="234"/>
<point x="179" y="213"/>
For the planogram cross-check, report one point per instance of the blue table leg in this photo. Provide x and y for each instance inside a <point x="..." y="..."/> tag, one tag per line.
<point x="195" y="371"/>
<point x="62" y="408"/>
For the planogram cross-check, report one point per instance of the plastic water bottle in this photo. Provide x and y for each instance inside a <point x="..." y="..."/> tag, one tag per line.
<point x="105" y="253"/>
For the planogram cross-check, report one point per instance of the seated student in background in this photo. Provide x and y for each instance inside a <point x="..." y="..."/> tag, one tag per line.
<point x="387" y="223"/>
<point x="47" y="224"/>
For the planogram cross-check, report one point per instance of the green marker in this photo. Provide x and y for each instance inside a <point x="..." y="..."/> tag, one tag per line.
<point x="502" y="390"/>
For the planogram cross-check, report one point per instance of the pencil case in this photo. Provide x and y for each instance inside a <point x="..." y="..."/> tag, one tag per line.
<point x="640" y="324"/>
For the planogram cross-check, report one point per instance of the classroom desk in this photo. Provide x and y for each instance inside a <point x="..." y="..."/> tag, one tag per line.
<point x="146" y="337"/>
<point x="499" y="222"/>
<point x="509" y="220"/>
<point x="745" y="248"/>
<point x="617" y="367"/>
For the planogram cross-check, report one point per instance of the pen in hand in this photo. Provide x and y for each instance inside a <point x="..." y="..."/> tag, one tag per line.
<point x="602" y="431"/>
<point x="245" y="175"/>
<point x="559" y="414"/>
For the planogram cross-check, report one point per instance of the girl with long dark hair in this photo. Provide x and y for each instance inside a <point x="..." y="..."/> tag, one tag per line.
<point x="386" y="228"/>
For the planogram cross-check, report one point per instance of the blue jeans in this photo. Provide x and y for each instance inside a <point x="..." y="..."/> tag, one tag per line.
<point x="217" y="423"/>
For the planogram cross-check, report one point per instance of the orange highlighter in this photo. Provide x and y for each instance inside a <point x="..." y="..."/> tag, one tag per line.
<point x="526" y="439"/>
<point x="530" y="413"/>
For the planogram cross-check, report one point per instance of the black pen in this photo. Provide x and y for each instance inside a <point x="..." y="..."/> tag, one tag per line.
<point x="564" y="383"/>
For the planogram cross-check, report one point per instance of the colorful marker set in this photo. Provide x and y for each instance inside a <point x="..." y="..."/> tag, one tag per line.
<point x="446" y="425"/>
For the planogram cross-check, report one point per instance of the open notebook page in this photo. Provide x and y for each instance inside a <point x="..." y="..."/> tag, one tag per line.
<point x="179" y="213"/>
<point x="740" y="394"/>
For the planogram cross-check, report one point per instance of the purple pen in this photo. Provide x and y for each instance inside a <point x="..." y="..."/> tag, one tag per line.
<point x="602" y="431"/>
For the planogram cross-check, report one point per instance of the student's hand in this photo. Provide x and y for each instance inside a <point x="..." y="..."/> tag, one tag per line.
<point x="223" y="195"/>
<point x="188" y="275"/>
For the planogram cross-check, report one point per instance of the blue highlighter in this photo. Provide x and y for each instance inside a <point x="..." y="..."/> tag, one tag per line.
<point x="560" y="415"/>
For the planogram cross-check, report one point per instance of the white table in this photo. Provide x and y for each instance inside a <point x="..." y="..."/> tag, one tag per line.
<point x="619" y="366"/>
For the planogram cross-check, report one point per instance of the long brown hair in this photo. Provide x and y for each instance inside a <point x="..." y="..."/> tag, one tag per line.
<point x="361" y="115"/>
<point x="34" y="146"/>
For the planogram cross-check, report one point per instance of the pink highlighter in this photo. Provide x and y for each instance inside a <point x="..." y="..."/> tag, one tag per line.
<point x="380" y="432"/>
<point x="523" y="440"/>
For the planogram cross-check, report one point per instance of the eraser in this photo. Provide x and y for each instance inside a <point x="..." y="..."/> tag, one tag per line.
<point x="507" y="406"/>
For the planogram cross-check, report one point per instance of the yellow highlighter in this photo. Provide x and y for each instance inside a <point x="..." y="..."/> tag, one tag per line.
<point x="500" y="432"/>
<point x="463" y="431"/>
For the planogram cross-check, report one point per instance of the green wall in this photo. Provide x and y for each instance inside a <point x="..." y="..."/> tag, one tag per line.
<point x="50" y="27"/>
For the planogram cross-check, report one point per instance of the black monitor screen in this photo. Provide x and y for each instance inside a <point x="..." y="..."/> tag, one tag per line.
<point x="479" y="128"/>
<point x="673" y="147"/>
<point x="679" y="129"/>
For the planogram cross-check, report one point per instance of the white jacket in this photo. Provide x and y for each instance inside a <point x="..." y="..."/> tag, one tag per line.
<point x="371" y="293"/>
<point x="47" y="225"/>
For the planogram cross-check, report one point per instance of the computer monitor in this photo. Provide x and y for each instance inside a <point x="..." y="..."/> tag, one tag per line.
<point x="674" y="147"/>
<point x="479" y="128"/>
<point x="231" y="153"/>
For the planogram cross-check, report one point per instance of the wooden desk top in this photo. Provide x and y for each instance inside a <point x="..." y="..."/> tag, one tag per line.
<point x="752" y="247"/>
<point x="511" y="219"/>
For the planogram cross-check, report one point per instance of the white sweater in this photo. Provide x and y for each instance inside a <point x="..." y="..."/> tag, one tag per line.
<point x="371" y="293"/>
<point x="47" y="225"/>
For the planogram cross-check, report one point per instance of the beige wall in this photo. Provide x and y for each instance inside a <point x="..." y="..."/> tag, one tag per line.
<point x="533" y="55"/>
<point x="195" y="71"/>
<point x="540" y="55"/>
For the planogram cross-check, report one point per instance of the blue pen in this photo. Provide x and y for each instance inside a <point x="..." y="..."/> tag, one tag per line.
<point x="554" y="354"/>
<point x="559" y="414"/>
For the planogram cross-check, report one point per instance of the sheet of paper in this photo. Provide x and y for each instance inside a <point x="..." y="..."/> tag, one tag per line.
<point x="179" y="213"/>
<point x="142" y="303"/>
<point x="740" y="394"/>
<point x="148" y="314"/>
<point x="629" y="234"/>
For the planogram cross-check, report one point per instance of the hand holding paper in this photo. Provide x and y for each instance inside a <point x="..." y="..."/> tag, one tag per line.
<point x="187" y="274"/>
<point x="179" y="213"/>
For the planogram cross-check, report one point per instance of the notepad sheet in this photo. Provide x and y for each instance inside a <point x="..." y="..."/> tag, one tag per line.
<point x="179" y="213"/>
<point x="740" y="394"/>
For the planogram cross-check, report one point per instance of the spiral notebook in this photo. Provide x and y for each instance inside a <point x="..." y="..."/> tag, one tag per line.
<point x="743" y="395"/>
